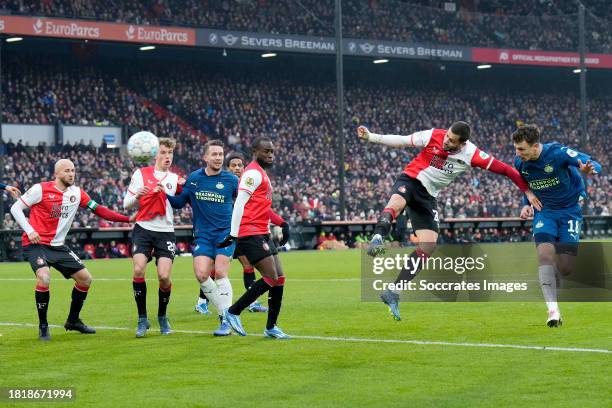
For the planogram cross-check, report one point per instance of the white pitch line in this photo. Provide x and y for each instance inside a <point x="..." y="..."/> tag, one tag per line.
<point x="366" y="340"/>
<point x="188" y="279"/>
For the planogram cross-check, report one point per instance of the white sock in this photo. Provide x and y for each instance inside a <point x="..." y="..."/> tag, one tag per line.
<point x="200" y="300"/>
<point x="558" y="277"/>
<point x="226" y="293"/>
<point x="548" y="282"/>
<point x="211" y="290"/>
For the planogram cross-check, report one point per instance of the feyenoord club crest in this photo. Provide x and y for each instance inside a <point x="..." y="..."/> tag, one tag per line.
<point x="72" y="199"/>
<point x="168" y="186"/>
<point x="402" y="189"/>
<point x="39" y="261"/>
<point x="266" y="247"/>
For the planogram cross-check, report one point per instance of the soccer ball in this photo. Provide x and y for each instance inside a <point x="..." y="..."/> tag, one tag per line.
<point x="142" y="146"/>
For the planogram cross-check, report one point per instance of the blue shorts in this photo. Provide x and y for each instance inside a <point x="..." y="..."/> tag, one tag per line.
<point x="564" y="224"/>
<point x="207" y="246"/>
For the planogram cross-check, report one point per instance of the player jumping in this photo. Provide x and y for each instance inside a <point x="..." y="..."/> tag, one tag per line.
<point x="53" y="205"/>
<point x="153" y="234"/>
<point x="446" y="154"/>
<point x="250" y="229"/>
<point x="211" y="192"/>
<point x="550" y="170"/>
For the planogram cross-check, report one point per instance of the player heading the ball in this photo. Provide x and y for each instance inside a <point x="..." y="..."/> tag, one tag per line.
<point x="445" y="154"/>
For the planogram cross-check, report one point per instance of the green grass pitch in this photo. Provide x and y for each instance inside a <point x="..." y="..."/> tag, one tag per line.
<point x="326" y="365"/>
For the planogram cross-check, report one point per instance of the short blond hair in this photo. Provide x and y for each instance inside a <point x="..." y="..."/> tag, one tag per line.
<point x="169" y="142"/>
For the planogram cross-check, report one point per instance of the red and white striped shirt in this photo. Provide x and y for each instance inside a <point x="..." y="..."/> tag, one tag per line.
<point x="436" y="168"/>
<point x="256" y="217"/>
<point x="155" y="212"/>
<point x="52" y="211"/>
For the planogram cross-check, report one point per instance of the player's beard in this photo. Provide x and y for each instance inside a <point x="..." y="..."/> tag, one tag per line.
<point x="66" y="182"/>
<point x="264" y="164"/>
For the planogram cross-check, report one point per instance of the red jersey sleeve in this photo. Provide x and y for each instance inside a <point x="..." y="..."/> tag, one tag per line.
<point x="85" y="199"/>
<point x="481" y="159"/>
<point x="275" y="218"/>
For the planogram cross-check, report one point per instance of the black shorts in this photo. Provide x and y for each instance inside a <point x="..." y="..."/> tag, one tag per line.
<point x="422" y="206"/>
<point x="256" y="247"/>
<point x="237" y="252"/>
<point x="153" y="243"/>
<point x="58" y="257"/>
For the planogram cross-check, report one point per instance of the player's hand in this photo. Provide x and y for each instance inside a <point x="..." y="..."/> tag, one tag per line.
<point x="226" y="242"/>
<point x="526" y="212"/>
<point x="587" y="168"/>
<point x="159" y="187"/>
<point x="34" y="237"/>
<point x="14" y="192"/>
<point x="285" y="239"/>
<point x="143" y="191"/>
<point x="363" y="133"/>
<point x="533" y="200"/>
<point x="181" y="181"/>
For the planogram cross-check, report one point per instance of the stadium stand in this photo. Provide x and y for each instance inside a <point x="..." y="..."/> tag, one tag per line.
<point x="299" y="115"/>
<point x="548" y="25"/>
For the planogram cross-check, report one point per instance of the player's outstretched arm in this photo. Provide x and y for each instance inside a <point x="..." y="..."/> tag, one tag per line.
<point x="13" y="190"/>
<point x="589" y="167"/>
<point x="486" y="162"/>
<point x="106" y="213"/>
<point x="581" y="160"/>
<point x="179" y="201"/>
<point x="418" y="139"/>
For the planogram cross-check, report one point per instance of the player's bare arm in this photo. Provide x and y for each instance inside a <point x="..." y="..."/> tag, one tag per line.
<point x="417" y="139"/>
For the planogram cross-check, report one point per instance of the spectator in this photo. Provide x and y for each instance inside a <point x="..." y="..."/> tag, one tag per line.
<point x="101" y="251"/>
<point x="14" y="252"/>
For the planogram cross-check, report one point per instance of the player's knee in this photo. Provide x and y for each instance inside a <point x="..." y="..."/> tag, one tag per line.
<point x="139" y="270"/>
<point x="165" y="282"/>
<point x="163" y="276"/>
<point x="85" y="279"/>
<point x="43" y="278"/>
<point x="202" y="275"/>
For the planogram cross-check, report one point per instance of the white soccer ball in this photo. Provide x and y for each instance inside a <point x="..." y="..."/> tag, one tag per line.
<point x="142" y="146"/>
